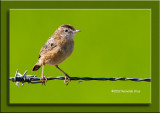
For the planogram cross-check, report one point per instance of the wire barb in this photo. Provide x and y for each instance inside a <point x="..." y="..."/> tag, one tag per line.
<point x="34" y="80"/>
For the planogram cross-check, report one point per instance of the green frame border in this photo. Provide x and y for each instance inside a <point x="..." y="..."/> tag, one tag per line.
<point x="153" y="5"/>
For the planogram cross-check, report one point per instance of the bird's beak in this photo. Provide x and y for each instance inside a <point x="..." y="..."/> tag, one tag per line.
<point x="76" y="31"/>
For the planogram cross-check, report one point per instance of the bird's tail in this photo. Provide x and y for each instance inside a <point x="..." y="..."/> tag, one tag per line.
<point x="36" y="66"/>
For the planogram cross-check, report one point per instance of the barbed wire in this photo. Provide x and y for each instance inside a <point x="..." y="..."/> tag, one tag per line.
<point x="34" y="80"/>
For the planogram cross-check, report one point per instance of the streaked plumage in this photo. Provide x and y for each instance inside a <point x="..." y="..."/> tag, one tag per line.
<point x="57" y="48"/>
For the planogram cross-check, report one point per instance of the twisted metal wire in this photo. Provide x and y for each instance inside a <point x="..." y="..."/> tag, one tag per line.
<point x="33" y="79"/>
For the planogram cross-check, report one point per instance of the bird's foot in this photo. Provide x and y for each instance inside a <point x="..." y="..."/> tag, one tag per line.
<point x="43" y="78"/>
<point x="67" y="79"/>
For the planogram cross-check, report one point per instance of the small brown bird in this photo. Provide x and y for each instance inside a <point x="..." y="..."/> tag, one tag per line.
<point x="57" y="48"/>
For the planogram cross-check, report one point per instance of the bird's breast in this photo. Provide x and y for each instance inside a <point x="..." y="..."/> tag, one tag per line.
<point x="59" y="54"/>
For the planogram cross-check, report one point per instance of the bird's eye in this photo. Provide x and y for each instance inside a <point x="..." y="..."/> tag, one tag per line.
<point x="66" y="30"/>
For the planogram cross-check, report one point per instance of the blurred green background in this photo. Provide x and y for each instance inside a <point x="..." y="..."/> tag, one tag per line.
<point x="113" y="43"/>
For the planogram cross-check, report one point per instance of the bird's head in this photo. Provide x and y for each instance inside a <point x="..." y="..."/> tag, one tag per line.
<point x="67" y="31"/>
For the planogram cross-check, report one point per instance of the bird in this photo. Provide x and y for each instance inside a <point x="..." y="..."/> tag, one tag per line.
<point x="57" y="48"/>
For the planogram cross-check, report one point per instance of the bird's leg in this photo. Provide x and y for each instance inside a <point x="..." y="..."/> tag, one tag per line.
<point x="66" y="76"/>
<point x="43" y="78"/>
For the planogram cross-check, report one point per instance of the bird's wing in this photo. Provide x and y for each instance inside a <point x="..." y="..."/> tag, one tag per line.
<point x="49" y="45"/>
